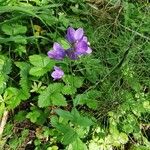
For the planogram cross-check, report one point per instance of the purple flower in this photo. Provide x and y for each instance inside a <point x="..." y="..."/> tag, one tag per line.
<point x="57" y="53"/>
<point x="79" y="42"/>
<point x="57" y="73"/>
<point x="72" y="54"/>
<point x="74" y="35"/>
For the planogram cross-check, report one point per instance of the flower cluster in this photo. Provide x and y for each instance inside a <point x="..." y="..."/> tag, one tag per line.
<point x="79" y="46"/>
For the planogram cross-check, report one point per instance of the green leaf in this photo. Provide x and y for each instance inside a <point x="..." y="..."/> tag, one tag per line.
<point x="5" y="64"/>
<point x="18" y="39"/>
<point x="42" y="64"/>
<point x="73" y="81"/>
<point x="14" y="97"/>
<point x="69" y="90"/>
<point x="40" y="60"/>
<point x="33" y="116"/>
<point x="89" y="98"/>
<point x="58" y="99"/>
<point x="3" y="80"/>
<point x="7" y="29"/>
<point x="75" y="117"/>
<point x="37" y="71"/>
<point x="123" y="138"/>
<point x="14" y="29"/>
<point x="46" y="98"/>
<point x="80" y="120"/>
<point x="78" y="145"/>
<point x="64" y="114"/>
<point x="69" y="136"/>
<point x="24" y="81"/>
<point x="20" y="116"/>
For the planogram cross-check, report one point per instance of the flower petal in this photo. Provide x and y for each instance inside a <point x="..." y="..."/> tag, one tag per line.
<point x="71" y="54"/>
<point x="57" y="74"/>
<point x="78" y="34"/>
<point x="70" y="35"/>
<point x="81" y="47"/>
<point x="89" y="50"/>
<point x="85" y="39"/>
<point x="57" y="47"/>
<point x="57" y="53"/>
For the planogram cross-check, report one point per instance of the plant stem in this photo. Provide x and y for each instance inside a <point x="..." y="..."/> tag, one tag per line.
<point x="3" y="122"/>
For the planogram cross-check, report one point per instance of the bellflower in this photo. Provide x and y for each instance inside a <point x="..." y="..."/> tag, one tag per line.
<point x="57" y="53"/>
<point x="79" y="42"/>
<point x="57" y="73"/>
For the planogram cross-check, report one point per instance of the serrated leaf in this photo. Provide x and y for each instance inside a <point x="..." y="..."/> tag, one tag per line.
<point x="69" y="137"/>
<point x="5" y="64"/>
<point x="45" y="98"/>
<point x="80" y="99"/>
<point x="19" y="39"/>
<point x="33" y="116"/>
<point x="73" y="81"/>
<point x="75" y="117"/>
<point x="88" y="98"/>
<point x="14" y="97"/>
<point x="37" y="71"/>
<point x="14" y="29"/>
<point x="3" y="80"/>
<point x="78" y="145"/>
<point x="24" y="81"/>
<point x="69" y="90"/>
<point x="58" y="99"/>
<point x="40" y="60"/>
<point x="64" y="114"/>
<point x="20" y="116"/>
<point x="42" y="64"/>
<point x="80" y="120"/>
<point x="7" y="29"/>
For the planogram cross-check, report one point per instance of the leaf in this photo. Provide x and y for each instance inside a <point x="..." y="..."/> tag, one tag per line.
<point x="7" y="29"/>
<point x="64" y="114"/>
<point x="69" y="90"/>
<point x="5" y="64"/>
<point x="69" y="136"/>
<point x="75" y="117"/>
<point x="123" y="138"/>
<point x="14" y="97"/>
<point x="78" y="145"/>
<point x="14" y="29"/>
<point x="58" y="99"/>
<point x="80" y="120"/>
<point x="20" y="116"/>
<point x="19" y="39"/>
<point x="88" y="98"/>
<point x="42" y="64"/>
<point x="24" y="81"/>
<point x="37" y="71"/>
<point x="80" y="99"/>
<point x="3" y="80"/>
<point x="46" y="99"/>
<point x="39" y="61"/>
<point x="33" y="116"/>
<point x="73" y="81"/>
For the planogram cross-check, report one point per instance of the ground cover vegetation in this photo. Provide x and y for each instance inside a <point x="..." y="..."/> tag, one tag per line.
<point x="74" y="75"/>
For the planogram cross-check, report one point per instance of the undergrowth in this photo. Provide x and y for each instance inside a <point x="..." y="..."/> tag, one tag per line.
<point x="102" y="100"/>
